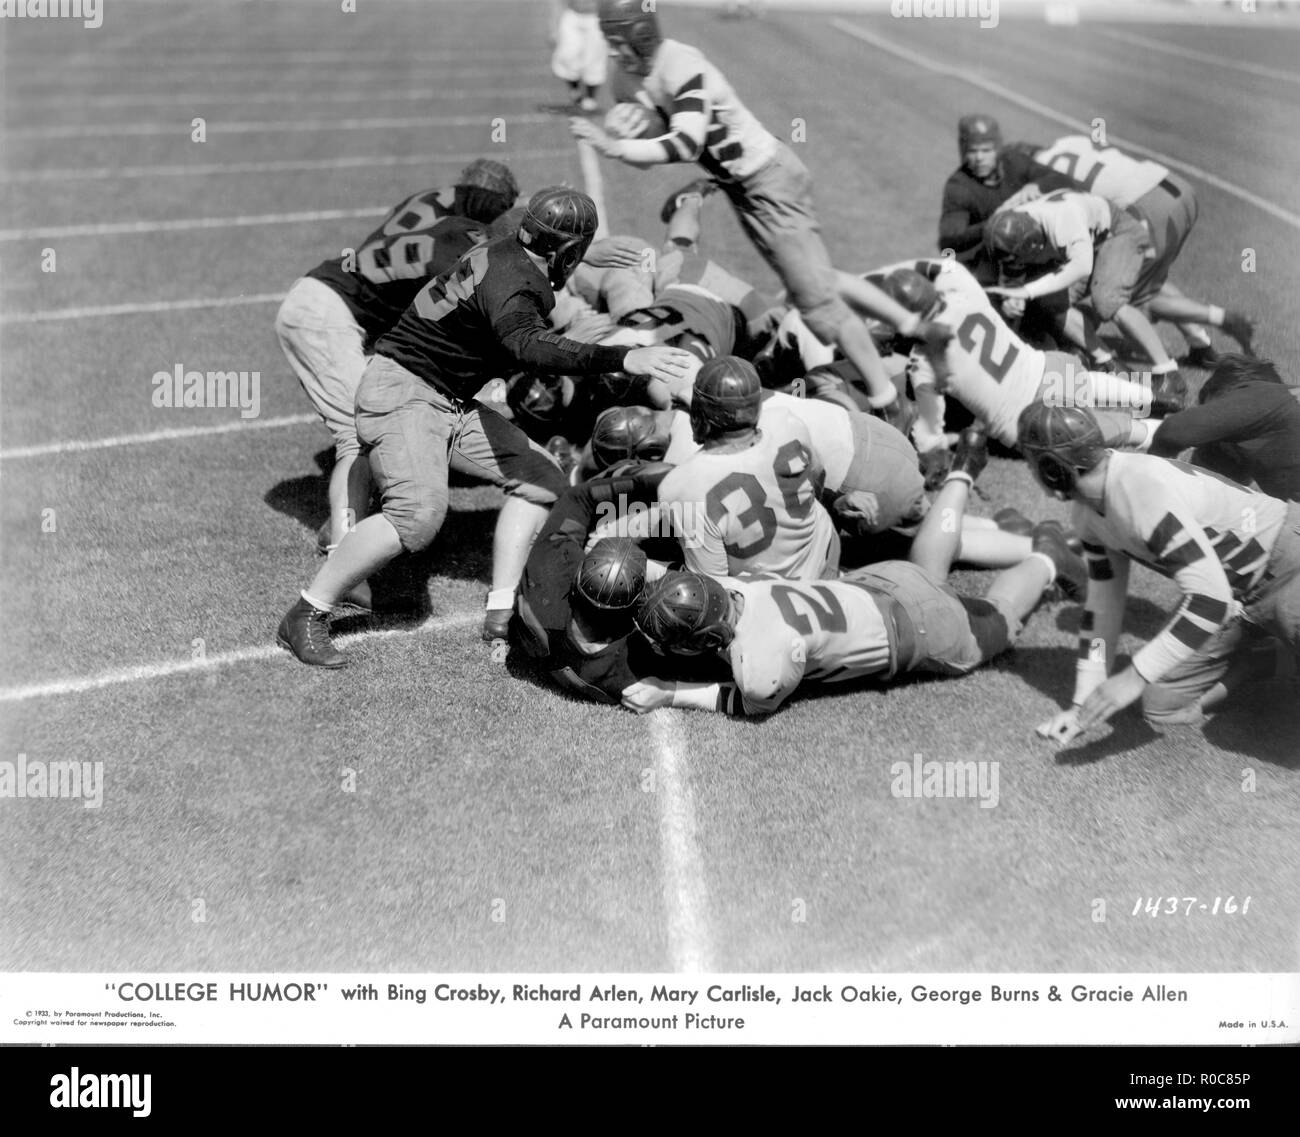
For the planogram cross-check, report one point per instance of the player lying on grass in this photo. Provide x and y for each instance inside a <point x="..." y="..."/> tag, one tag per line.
<point x="331" y="317"/>
<point x="417" y="418"/>
<point x="768" y="186"/>
<point x="1246" y="427"/>
<point x="1166" y="203"/>
<point x="987" y="367"/>
<point x="1234" y="554"/>
<point x="887" y="620"/>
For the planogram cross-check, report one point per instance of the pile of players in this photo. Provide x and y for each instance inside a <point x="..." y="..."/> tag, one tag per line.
<point x="687" y="462"/>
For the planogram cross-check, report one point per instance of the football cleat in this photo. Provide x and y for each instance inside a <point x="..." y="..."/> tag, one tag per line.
<point x="972" y="453"/>
<point x="1071" y="573"/>
<point x="305" y="631"/>
<point x="1168" y="394"/>
<point x="701" y="186"/>
<point x="1241" y="328"/>
<point x="1011" y="520"/>
<point x="496" y="623"/>
<point x="1201" y="355"/>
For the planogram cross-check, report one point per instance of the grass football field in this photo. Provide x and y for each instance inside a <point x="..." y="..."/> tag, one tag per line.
<point x="432" y="808"/>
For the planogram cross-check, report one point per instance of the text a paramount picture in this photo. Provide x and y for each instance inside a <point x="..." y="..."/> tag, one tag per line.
<point x="650" y="522"/>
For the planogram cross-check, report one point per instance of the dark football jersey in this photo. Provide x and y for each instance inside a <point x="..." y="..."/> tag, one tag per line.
<point x="418" y="240"/>
<point x="543" y="607"/>
<point x="487" y="317"/>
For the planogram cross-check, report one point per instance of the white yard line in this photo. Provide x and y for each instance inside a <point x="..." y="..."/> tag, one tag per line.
<point x="156" y="63"/>
<point x="278" y="166"/>
<point x="939" y="68"/>
<point x="181" y="127"/>
<point x="260" y="98"/>
<point x="80" y="446"/>
<point x="144" y="306"/>
<point x="148" y="672"/>
<point x="686" y="897"/>
<point x="119" y="228"/>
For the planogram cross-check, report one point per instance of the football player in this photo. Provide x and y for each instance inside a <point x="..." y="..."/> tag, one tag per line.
<point x="1079" y="244"/>
<point x="1247" y="427"/>
<point x="416" y="416"/>
<point x="331" y="317"/>
<point x="580" y="52"/>
<point x="989" y="174"/>
<point x="574" y="611"/>
<point x="747" y="501"/>
<point x="1166" y="204"/>
<point x="988" y="368"/>
<point x="889" y="619"/>
<point x="767" y="184"/>
<point x="1234" y="554"/>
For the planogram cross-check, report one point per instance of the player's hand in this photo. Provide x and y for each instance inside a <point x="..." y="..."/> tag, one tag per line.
<point x="648" y="695"/>
<point x="1118" y="692"/>
<point x="1062" y="728"/>
<point x="1013" y="307"/>
<point x="667" y="363"/>
<point x="617" y="252"/>
<point x="587" y="131"/>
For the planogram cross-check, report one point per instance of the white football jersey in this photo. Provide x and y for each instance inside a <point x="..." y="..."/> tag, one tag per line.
<point x="1106" y="172"/>
<point x="987" y="367"/>
<point x="789" y="631"/>
<point x="754" y="510"/>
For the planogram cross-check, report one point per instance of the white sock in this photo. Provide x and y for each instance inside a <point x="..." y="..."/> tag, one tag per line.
<point x="1216" y="316"/>
<point x="499" y="598"/>
<point x="317" y="604"/>
<point x="960" y="476"/>
<point x="875" y="402"/>
<point x="1051" y="567"/>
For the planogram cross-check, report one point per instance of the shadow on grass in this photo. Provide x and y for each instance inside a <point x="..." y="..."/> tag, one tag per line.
<point x="1261" y="722"/>
<point x="462" y="550"/>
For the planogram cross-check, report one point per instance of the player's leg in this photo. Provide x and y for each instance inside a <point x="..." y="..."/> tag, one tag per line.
<point x="775" y="208"/>
<point x="938" y="542"/>
<point x="1190" y="315"/>
<point x="494" y="450"/>
<point x="324" y="345"/>
<point x="885" y="467"/>
<point x="1200" y="682"/>
<point x="595" y="60"/>
<point x="405" y="427"/>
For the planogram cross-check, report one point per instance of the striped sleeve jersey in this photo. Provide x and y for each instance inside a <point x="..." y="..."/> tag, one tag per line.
<point x="1209" y="535"/>
<point x="707" y="123"/>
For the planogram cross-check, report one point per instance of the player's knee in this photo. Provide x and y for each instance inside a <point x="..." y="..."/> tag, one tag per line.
<point x="346" y="445"/>
<point x="1107" y="300"/>
<point x="826" y="318"/>
<point x="543" y="489"/>
<point x="416" y="524"/>
<point x="1168" y="706"/>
